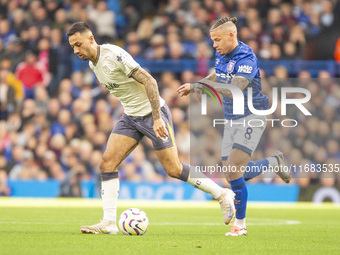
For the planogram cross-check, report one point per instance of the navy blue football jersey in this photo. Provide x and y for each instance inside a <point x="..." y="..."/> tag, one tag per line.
<point x="242" y="61"/>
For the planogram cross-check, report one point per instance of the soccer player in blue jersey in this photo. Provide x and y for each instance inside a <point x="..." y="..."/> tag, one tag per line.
<point x="237" y="65"/>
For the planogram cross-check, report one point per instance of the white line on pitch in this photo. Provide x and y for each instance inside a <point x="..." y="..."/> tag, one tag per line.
<point x="287" y="222"/>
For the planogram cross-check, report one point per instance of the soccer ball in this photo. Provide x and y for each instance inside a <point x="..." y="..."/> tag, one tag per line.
<point x="133" y="221"/>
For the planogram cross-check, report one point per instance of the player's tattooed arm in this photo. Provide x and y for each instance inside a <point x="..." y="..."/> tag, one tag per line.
<point x="211" y="80"/>
<point x="188" y="88"/>
<point x="238" y="81"/>
<point x="151" y="88"/>
<point x="208" y="79"/>
<point x="142" y="76"/>
<point x="212" y="76"/>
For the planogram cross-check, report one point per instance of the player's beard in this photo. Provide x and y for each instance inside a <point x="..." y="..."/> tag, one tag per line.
<point x="83" y="57"/>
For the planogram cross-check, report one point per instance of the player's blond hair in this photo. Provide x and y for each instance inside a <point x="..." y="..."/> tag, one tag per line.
<point x="223" y="21"/>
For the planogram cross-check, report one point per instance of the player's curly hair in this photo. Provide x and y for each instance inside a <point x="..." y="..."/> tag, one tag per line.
<point x="80" y="27"/>
<point x="222" y="21"/>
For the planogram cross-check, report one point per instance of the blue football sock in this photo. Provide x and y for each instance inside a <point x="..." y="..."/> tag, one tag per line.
<point x="240" y="189"/>
<point x="255" y="168"/>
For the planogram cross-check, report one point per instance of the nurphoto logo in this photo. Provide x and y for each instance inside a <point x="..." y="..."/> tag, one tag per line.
<point x="238" y="104"/>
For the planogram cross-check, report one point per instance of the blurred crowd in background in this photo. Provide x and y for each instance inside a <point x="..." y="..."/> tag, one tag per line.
<point x="55" y="117"/>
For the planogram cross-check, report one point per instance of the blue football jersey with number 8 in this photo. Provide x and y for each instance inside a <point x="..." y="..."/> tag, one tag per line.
<point x="242" y="61"/>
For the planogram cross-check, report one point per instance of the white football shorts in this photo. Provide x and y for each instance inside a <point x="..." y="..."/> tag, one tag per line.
<point x="244" y="134"/>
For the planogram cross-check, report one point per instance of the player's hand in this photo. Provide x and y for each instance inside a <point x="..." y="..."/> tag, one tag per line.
<point x="159" y="128"/>
<point x="184" y="90"/>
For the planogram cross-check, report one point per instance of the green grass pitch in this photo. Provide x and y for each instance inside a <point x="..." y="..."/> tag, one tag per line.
<point x="38" y="226"/>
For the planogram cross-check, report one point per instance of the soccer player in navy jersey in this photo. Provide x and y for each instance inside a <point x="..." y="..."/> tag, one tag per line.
<point x="237" y="65"/>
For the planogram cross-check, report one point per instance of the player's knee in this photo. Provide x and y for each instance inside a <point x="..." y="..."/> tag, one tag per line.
<point x="107" y="165"/>
<point x="235" y="169"/>
<point x="102" y="165"/>
<point x="236" y="163"/>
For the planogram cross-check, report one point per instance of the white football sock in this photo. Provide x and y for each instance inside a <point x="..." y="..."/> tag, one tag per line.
<point x="273" y="161"/>
<point x="204" y="183"/>
<point x="241" y="223"/>
<point x="110" y="191"/>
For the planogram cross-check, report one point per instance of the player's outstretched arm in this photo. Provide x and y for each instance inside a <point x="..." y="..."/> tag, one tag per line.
<point x="186" y="88"/>
<point x="238" y="81"/>
<point x="212" y="76"/>
<point x="151" y="88"/>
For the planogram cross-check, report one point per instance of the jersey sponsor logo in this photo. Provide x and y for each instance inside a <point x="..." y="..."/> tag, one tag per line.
<point x="245" y="69"/>
<point x="225" y="77"/>
<point x="231" y="66"/>
<point x="110" y="85"/>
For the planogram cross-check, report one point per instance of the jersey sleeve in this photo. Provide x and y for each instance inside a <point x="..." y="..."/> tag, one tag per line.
<point x="247" y="67"/>
<point x="125" y="61"/>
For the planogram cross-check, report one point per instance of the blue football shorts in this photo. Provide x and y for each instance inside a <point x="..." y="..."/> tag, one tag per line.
<point x="138" y="127"/>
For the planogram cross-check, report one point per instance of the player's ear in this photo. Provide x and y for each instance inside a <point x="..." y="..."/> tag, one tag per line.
<point x="91" y="38"/>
